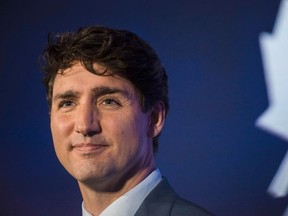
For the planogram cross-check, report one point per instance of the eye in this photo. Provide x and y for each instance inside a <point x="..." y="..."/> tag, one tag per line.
<point x="66" y="103"/>
<point x="110" y="103"/>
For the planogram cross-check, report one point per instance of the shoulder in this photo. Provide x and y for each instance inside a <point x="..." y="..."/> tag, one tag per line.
<point x="163" y="200"/>
<point x="182" y="207"/>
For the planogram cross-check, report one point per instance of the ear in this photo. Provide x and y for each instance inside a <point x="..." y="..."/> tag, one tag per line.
<point x="157" y="119"/>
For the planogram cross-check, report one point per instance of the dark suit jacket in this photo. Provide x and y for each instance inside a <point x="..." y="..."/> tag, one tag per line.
<point x="163" y="201"/>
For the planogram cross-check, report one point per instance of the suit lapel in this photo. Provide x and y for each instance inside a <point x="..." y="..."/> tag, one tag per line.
<point x="159" y="201"/>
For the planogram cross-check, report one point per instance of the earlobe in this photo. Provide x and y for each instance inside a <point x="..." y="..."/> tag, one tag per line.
<point x="157" y="119"/>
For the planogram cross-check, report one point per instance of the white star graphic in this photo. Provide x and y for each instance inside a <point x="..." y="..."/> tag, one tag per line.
<point x="274" y="49"/>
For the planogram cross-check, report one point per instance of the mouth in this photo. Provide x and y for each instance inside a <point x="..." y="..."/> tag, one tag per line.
<point x="88" y="148"/>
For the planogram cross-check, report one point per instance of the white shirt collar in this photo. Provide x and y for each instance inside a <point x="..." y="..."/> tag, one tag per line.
<point x="128" y="203"/>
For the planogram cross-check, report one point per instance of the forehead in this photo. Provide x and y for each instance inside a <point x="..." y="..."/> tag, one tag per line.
<point x="78" y="78"/>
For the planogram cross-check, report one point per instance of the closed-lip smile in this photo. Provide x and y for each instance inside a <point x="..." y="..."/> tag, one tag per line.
<point x="89" y="147"/>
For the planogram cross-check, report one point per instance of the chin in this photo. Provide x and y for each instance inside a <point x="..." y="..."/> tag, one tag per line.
<point x="89" y="174"/>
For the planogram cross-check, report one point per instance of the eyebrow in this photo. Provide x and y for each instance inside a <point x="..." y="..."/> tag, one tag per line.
<point x="97" y="92"/>
<point x="104" y="90"/>
<point x="66" y="95"/>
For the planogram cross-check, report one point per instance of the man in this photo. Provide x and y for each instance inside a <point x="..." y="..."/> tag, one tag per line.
<point x="108" y="98"/>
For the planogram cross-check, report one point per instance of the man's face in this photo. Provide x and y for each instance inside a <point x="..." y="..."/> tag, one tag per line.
<point x="99" y="131"/>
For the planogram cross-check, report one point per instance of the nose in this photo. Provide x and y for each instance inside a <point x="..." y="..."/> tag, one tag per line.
<point x="87" y="122"/>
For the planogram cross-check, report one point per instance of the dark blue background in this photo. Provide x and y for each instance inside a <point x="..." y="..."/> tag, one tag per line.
<point x="210" y="150"/>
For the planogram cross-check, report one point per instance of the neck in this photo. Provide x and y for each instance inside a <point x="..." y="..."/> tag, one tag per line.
<point x="96" y="200"/>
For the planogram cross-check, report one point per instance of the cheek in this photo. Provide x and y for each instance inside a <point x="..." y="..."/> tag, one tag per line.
<point x="60" y="124"/>
<point x="61" y="127"/>
<point x="129" y="132"/>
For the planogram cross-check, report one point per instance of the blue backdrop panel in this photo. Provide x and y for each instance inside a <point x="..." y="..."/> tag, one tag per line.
<point x="210" y="150"/>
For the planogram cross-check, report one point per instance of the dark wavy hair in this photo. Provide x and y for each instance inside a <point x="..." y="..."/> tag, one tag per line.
<point x="121" y="52"/>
